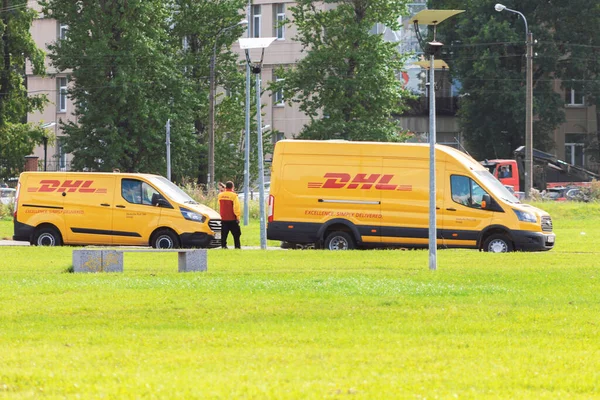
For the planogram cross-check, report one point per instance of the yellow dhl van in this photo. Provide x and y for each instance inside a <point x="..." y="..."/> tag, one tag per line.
<point x="79" y="208"/>
<point x="345" y="195"/>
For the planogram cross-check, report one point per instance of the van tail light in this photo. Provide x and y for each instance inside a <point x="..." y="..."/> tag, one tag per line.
<point x="16" y="204"/>
<point x="271" y="208"/>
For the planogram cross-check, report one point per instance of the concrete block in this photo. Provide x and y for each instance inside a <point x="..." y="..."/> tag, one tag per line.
<point x="97" y="261"/>
<point x="192" y="260"/>
<point x="112" y="261"/>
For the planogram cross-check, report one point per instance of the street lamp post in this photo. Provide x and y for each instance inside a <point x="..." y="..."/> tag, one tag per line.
<point x="246" y="44"/>
<point x="432" y="17"/>
<point x="45" y="139"/>
<point x="211" y="106"/>
<point x="528" y="181"/>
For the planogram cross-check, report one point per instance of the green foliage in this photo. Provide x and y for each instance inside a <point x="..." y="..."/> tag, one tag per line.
<point x="125" y="85"/>
<point x="204" y="26"/>
<point x="577" y="45"/>
<point x="347" y="82"/>
<point x="486" y="53"/>
<point x="17" y="139"/>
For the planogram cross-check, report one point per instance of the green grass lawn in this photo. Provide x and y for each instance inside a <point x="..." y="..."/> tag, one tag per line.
<point x="309" y="324"/>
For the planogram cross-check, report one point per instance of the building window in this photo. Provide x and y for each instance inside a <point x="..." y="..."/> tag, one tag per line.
<point x="573" y="97"/>
<point x="279" y="19"/>
<point x="256" y="18"/>
<point x="62" y="94"/>
<point x="61" y="155"/>
<point x="278" y="95"/>
<point x="575" y="148"/>
<point x="277" y="136"/>
<point x="62" y="31"/>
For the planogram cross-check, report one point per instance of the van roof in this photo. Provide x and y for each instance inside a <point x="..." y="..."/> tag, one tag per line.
<point x="63" y="173"/>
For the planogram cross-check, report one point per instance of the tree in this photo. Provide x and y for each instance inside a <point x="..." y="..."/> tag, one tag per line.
<point x="125" y="85"/>
<point x="201" y="26"/>
<point x="486" y="54"/>
<point x="577" y="41"/>
<point x="348" y="81"/>
<point x="17" y="138"/>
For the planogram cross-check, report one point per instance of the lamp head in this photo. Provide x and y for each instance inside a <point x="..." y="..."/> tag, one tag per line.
<point x="243" y="22"/>
<point x="499" y="7"/>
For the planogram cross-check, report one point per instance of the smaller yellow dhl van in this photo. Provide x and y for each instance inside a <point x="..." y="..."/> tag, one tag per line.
<point x="345" y="195"/>
<point x="80" y="208"/>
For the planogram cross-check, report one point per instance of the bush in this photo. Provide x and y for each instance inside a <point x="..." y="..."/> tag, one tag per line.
<point x="210" y="199"/>
<point x="7" y="210"/>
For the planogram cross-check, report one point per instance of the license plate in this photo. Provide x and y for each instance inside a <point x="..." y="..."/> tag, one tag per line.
<point x="550" y="238"/>
<point x="218" y="235"/>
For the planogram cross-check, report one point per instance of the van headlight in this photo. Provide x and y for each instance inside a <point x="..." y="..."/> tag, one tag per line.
<point x="191" y="215"/>
<point x="525" y="216"/>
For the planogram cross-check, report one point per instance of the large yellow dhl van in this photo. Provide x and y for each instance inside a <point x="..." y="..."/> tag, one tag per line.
<point x="54" y="208"/>
<point x="345" y="195"/>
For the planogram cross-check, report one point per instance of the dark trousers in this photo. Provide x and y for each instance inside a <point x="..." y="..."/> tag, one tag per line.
<point x="236" y="232"/>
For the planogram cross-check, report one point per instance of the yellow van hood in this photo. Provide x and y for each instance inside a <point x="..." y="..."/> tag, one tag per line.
<point x="530" y="209"/>
<point x="202" y="209"/>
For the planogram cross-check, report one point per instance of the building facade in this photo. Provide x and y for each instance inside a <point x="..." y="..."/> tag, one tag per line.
<point x="265" y="18"/>
<point x="51" y="156"/>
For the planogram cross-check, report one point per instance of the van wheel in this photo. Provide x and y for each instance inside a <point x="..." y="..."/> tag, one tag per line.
<point x="47" y="236"/>
<point x="498" y="244"/>
<point x="339" y="241"/>
<point x="165" y="239"/>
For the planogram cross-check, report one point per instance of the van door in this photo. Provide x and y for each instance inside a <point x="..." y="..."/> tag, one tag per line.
<point x="463" y="217"/>
<point x="134" y="216"/>
<point x="405" y="209"/>
<point x="88" y="202"/>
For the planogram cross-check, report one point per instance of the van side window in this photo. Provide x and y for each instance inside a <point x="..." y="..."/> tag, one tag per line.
<point x="466" y="191"/>
<point x="137" y="192"/>
<point x="147" y="193"/>
<point x="131" y="190"/>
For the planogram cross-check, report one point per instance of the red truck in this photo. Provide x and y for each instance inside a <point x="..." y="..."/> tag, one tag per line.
<point x="548" y="171"/>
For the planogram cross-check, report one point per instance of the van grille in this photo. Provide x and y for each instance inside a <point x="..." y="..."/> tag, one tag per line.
<point x="546" y="224"/>
<point x="215" y="225"/>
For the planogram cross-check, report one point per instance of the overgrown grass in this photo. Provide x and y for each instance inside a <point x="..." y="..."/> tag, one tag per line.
<point x="308" y="324"/>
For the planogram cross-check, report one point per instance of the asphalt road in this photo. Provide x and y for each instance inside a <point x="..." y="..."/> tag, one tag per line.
<point x="15" y="243"/>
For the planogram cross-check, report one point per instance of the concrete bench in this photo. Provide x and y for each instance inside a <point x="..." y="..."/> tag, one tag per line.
<point x="111" y="260"/>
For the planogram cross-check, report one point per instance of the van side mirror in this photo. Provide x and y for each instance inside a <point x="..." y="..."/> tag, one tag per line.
<point x="486" y="202"/>
<point x="159" y="201"/>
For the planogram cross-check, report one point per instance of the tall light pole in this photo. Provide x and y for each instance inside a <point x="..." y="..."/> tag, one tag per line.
<point x="247" y="128"/>
<point x="246" y="44"/>
<point x="210" y="178"/>
<point x="528" y="103"/>
<point x="432" y="17"/>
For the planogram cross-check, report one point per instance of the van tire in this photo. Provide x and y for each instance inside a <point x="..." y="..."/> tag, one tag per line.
<point x="164" y="239"/>
<point x="339" y="241"/>
<point x="46" y="236"/>
<point x="498" y="243"/>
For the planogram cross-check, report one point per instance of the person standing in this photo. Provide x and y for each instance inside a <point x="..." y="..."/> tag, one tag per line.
<point x="229" y="207"/>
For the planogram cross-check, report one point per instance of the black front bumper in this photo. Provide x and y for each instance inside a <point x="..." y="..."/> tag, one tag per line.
<point x="532" y="241"/>
<point x="199" y="240"/>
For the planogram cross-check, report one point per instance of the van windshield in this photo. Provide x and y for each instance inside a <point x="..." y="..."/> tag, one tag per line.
<point x="496" y="187"/>
<point x="171" y="190"/>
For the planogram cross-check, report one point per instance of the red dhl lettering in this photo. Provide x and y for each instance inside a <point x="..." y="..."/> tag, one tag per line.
<point x="51" y="185"/>
<point x="335" y="180"/>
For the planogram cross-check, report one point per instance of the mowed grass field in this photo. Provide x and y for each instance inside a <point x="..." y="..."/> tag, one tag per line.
<point x="309" y="324"/>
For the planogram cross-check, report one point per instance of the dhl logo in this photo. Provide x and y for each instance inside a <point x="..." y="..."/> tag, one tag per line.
<point x="51" y="185"/>
<point x="363" y="181"/>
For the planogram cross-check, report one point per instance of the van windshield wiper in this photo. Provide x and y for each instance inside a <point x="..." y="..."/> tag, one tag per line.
<point x="191" y="202"/>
